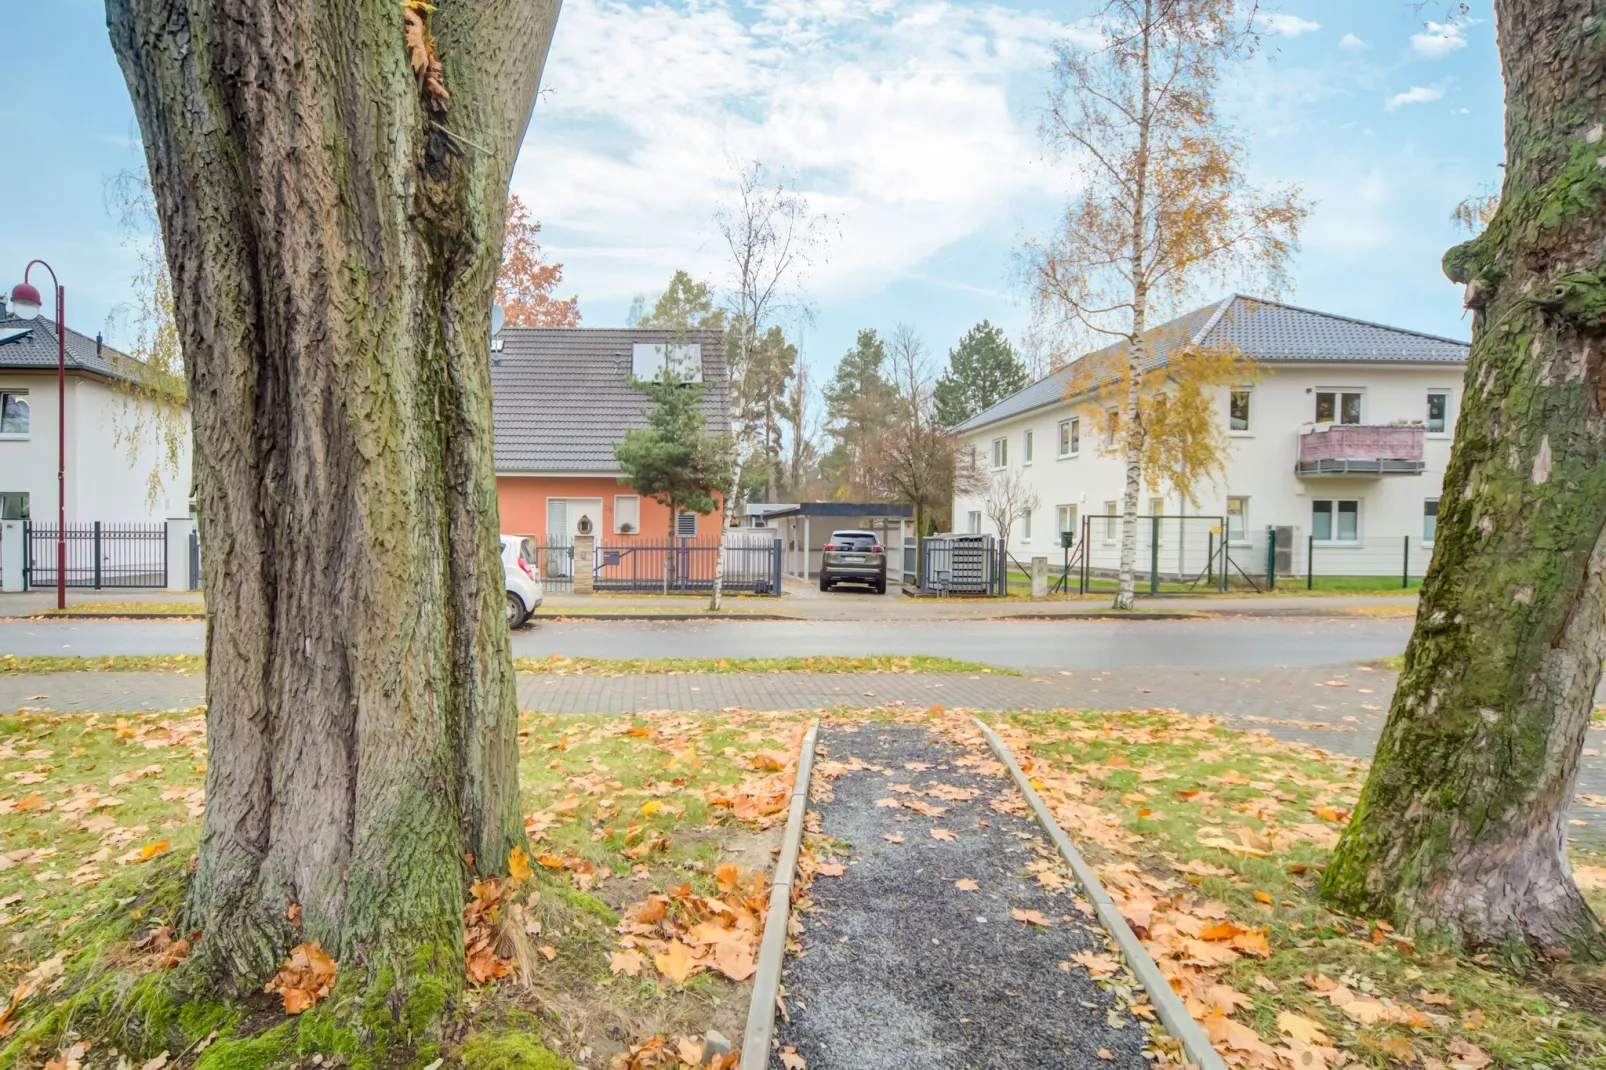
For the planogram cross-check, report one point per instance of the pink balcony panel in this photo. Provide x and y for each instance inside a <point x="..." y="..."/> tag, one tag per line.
<point x="1355" y="449"/>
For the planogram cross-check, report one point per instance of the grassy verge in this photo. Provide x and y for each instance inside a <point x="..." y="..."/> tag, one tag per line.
<point x="561" y="665"/>
<point x="1210" y="841"/>
<point x="127" y="609"/>
<point x="99" y="816"/>
<point x="182" y="664"/>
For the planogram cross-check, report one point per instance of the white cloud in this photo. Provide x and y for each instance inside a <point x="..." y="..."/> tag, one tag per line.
<point x="1417" y="94"/>
<point x="912" y="124"/>
<point x="1288" y="25"/>
<point x="1438" y="39"/>
<point x="1350" y="43"/>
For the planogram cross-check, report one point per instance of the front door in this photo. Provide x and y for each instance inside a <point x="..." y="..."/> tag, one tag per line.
<point x="563" y="516"/>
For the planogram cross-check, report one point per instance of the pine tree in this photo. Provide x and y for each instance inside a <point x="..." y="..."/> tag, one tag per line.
<point x="685" y="305"/>
<point x="672" y="460"/>
<point x="858" y="407"/>
<point x="982" y="371"/>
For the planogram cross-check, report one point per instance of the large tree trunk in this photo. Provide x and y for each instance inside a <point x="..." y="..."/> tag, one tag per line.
<point x="333" y="244"/>
<point x="1462" y="824"/>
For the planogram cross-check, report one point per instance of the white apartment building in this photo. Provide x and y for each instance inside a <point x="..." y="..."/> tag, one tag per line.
<point x="1338" y="446"/>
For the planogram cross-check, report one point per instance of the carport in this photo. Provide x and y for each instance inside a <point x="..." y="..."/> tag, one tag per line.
<point x="805" y="528"/>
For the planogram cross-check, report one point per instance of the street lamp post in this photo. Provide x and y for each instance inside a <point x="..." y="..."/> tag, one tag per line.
<point x="25" y="300"/>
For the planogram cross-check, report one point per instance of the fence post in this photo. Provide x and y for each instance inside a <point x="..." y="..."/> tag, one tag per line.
<point x="1271" y="559"/>
<point x="775" y="567"/>
<point x="1226" y="560"/>
<point x="1086" y="525"/>
<point x="1154" y="555"/>
<point x="1405" y="565"/>
<point x="1310" y="562"/>
<point x="97" y="555"/>
<point x="1210" y="561"/>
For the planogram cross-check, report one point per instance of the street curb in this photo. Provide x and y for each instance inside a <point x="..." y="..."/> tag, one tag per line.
<point x="119" y="617"/>
<point x="1173" y="1015"/>
<point x="1181" y="614"/>
<point x="772" y="953"/>
<point x="666" y="616"/>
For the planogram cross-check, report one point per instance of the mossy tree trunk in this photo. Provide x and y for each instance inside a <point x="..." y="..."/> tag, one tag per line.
<point x="333" y="243"/>
<point x="1462" y="824"/>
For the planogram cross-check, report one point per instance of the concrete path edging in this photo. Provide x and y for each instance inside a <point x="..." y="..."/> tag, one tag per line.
<point x="1173" y="1015"/>
<point x="772" y="952"/>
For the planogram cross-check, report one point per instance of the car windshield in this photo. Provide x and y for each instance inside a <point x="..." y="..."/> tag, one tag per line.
<point x="526" y="552"/>
<point x="852" y="540"/>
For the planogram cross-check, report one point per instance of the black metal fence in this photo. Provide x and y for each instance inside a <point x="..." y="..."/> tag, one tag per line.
<point x="99" y="555"/>
<point x="676" y="566"/>
<point x="960" y="564"/>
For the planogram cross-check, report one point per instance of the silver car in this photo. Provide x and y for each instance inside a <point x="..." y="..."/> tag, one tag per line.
<point x="854" y="557"/>
<point x="522" y="579"/>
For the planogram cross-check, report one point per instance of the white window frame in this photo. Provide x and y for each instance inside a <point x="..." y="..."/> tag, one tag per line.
<point x="1445" y="431"/>
<point x="1064" y="512"/>
<point x="635" y="525"/>
<point x="1335" y="503"/>
<point x="1425" y="503"/>
<point x="1112" y="522"/>
<point x="1000" y="456"/>
<point x="1338" y="393"/>
<point x="1242" y="538"/>
<point x="1112" y="424"/>
<point x="1026" y="525"/>
<point x="1249" y="412"/>
<point x="1026" y="450"/>
<point x="1070" y="437"/>
<point x="680" y="520"/>
<point x="974" y="521"/>
<point x="20" y="395"/>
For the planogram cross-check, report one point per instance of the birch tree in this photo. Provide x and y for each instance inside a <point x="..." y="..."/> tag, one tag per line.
<point x="1163" y="205"/>
<point x="331" y="181"/>
<point x="772" y="238"/>
<point x="1462" y="826"/>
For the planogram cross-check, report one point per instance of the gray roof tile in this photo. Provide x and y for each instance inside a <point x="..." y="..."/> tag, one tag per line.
<point x="561" y="399"/>
<point x="28" y="344"/>
<point x="1261" y="330"/>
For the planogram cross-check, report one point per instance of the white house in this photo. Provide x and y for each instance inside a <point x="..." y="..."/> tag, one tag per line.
<point x="108" y="472"/>
<point x="1338" y="446"/>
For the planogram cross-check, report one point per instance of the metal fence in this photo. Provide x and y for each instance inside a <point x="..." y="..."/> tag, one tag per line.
<point x="960" y="564"/>
<point x="1175" y="555"/>
<point x="752" y="564"/>
<point x="99" y="555"/>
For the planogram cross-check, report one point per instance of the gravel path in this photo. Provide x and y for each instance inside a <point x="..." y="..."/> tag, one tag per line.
<point x="899" y="968"/>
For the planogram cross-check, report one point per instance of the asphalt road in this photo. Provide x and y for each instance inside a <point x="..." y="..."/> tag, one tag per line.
<point x="1227" y="645"/>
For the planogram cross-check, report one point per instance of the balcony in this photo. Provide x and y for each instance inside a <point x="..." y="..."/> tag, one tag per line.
<point x="1358" y="450"/>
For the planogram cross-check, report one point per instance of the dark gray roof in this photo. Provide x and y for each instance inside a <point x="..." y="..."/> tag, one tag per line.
<point x="1261" y="330"/>
<point x="561" y="399"/>
<point x="30" y="344"/>
<point x="841" y="509"/>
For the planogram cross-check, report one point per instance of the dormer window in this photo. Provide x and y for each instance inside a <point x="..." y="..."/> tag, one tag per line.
<point x="653" y="360"/>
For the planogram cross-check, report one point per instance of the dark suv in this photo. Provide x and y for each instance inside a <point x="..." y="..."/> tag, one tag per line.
<point x="854" y="557"/>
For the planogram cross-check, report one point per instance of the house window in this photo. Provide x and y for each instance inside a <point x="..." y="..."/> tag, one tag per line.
<point x="1067" y="518"/>
<point x="685" y="525"/>
<point x="14" y="505"/>
<point x="626" y="514"/>
<point x="1111" y="510"/>
<point x="1335" y="520"/>
<point x="1338" y="406"/>
<point x="1000" y="453"/>
<point x="1237" y="519"/>
<point x="1070" y="437"/>
<point x="1238" y="411"/>
<point x="1112" y="427"/>
<point x="1430" y="521"/>
<point x="1438" y="411"/>
<point x="975" y="522"/>
<point x="14" y="412"/>
<point x="1026" y="526"/>
<point x="1027" y="459"/>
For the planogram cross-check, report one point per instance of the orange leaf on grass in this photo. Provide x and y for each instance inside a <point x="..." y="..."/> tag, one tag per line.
<point x="1030" y="917"/>
<point x="965" y="884"/>
<point x="676" y="962"/>
<point x="943" y="834"/>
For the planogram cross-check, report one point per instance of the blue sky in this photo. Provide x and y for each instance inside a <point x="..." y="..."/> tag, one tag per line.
<point x="911" y="123"/>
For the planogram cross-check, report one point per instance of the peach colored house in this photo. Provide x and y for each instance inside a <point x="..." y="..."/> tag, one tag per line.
<point x="562" y="398"/>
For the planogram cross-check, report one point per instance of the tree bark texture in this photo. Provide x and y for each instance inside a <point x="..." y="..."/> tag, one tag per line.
<point x="1462" y="824"/>
<point x="333" y="244"/>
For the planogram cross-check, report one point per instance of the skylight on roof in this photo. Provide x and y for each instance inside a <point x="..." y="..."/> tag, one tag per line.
<point x="11" y="334"/>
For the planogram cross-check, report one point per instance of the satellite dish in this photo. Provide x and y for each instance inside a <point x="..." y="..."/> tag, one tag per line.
<point x="498" y="318"/>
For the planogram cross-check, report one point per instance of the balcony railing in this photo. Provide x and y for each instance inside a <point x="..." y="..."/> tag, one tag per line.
<point x="1356" y="450"/>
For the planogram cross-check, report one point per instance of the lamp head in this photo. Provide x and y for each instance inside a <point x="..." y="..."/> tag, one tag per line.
<point x="25" y="301"/>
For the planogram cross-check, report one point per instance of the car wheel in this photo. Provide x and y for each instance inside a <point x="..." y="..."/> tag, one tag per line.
<point x="881" y="585"/>
<point x="516" y="614"/>
<point x="825" y="584"/>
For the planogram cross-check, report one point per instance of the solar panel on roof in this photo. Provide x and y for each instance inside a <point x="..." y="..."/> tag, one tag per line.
<point x="11" y="334"/>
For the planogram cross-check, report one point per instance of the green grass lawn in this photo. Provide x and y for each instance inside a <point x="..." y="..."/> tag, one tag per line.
<point x="185" y="664"/>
